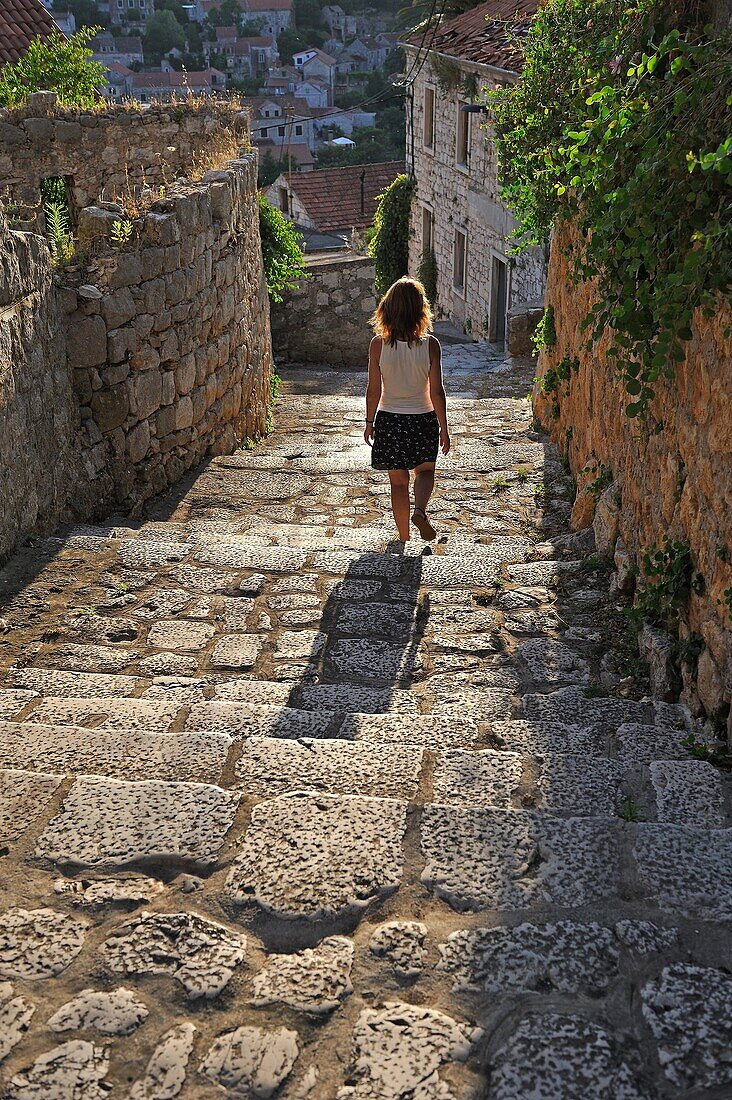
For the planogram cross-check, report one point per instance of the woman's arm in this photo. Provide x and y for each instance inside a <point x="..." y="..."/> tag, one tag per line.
<point x="437" y="392"/>
<point x="373" y="389"/>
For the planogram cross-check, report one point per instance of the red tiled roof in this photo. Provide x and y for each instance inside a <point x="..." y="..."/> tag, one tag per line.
<point x="174" y="80"/>
<point x="332" y="196"/>
<point x="250" y="6"/>
<point x="482" y="34"/>
<point x="20" y="22"/>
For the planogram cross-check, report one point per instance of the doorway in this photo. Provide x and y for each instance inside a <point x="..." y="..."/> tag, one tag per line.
<point x="499" y="298"/>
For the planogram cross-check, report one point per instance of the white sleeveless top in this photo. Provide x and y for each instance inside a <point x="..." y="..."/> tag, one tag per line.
<point x="405" y="373"/>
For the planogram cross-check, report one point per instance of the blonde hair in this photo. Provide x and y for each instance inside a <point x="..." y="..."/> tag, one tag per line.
<point x="404" y="313"/>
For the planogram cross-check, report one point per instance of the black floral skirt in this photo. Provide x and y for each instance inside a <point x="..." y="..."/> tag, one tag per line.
<point x="404" y="440"/>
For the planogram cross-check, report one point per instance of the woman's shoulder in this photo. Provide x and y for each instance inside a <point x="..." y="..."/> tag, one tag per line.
<point x="376" y="343"/>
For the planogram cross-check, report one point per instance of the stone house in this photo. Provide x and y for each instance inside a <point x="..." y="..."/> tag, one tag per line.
<point x="315" y="63"/>
<point x="147" y="87"/>
<point x="245" y="56"/>
<point x="338" y="23"/>
<point x="368" y="53"/>
<point x="126" y="51"/>
<point x="281" y="120"/>
<point x="129" y="13"/>
<point x="457" y="212"/>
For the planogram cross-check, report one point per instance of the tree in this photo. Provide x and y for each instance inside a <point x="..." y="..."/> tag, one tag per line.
<point x="282" y="253"/>
<point x="55" y="64"/>
<point x="228" y="15"/>
<point x="289" y="42"/>
<point x="176" y="8"/>
<point x="85" y="12"/>
<point x="252" y="28"/>
<point x="270" y="167"/>
<point x="164" y="33"/>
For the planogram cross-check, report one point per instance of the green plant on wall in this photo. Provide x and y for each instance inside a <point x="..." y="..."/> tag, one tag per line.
<point x="669" y="578"/>
<point x="447" y="73"/>
<point x="55" y="64"/>
<point x="389" y="244"/>
<point x="282" y="254"/>
<point x="545" y="335"/>
<point x="427" y="275"/>
<point x="120" y="233"/>
<point x="620" y="122"/>
<point x="56" y="211"/>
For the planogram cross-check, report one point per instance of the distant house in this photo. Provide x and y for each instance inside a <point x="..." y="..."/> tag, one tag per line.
<point x="147" y="87"/>
<point x="370" y="53"/>
<point x="330" y="120"/>
<point x="245" y="56"/>
<point x="130" y="13"/>
<point x="315" y="63"/>
<point x="65" y="22"/>
<point x="298" y="151"/>
<point x="331" y="202"/>
<point x="282" y="120"/>
<point x="338" y="23"/>
<point x="20" y="22"/>
<point x="316" y="93"/>
<point x="117" y="82"/>
<point x="126" y="51"/>
<point x="458" y="213"/>
<point x="273" y="16"/>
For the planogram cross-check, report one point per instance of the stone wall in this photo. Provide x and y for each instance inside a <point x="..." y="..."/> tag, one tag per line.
<point x="676" y="482"/>
<point x="108" y="153"/>
<point x="326" y="320"/>
<point x="137" y="363"/>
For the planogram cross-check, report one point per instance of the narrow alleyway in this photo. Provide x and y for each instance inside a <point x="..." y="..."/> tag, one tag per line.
<point x="285" y="812"/>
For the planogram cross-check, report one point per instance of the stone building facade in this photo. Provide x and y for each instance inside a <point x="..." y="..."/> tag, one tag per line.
<point x="670" y="483"/>
<point x="128" y="367"/>
<point x="107" y="153"/>
<point x="326" y="320"/>
<point x="457" y="212"/>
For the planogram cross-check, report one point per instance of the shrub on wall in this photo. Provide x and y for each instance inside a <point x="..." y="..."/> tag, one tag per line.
<point x="621" y="122"/>
<point x="281" y="250"/>
<point x="55" y="64"/>
<point x="389" y="244"/>
<point x="427" y="275"/>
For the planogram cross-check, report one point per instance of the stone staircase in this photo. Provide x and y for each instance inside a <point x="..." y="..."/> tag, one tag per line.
<point x="288" y="812"/>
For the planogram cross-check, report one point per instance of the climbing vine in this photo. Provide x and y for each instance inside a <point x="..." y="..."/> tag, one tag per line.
<point x="389" y="244"/>
<point x="427" y="275"/>
<point x="621" y="122"/>
<point x="282" y="253"/>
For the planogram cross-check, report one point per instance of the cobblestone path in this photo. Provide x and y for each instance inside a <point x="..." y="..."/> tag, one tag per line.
<point x="286" y="812"/>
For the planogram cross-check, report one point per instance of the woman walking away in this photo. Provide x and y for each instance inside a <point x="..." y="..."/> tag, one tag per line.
<point x="406" y="415"/>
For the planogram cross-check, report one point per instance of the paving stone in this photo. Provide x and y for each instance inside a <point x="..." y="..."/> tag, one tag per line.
<point x="73" y="1071"/>
<point x="468" y="643"/>
<point x="644" y="937"/>
<point x="15" y="1016"/>
<point x="428" y="731"/>
<point x="381" y="620"/>
<point x="572" y="706"/>
<point x="238" y="555"/>
<point x="237" y="612"/>
<point x="38" y="943"/>
<point x="201" y="954"/>
<point x="360" y="590"/>
<point x="118" y="1012"/>
<point x="477" y="778"/>
<point x="356" y="698"/>
<point x="236" y="651"/>
<point x="166" y="1071"/>
<point x="319" y="856"/>
<point x="402" y="944"/>
<point x="294" y="644"/>
<point x="462" y="619"/>
<point x="579" y="786"/>
<point x="163" y="603"/>
<point x="686" y="869"/>
<point x="269" y="767"/>
<point x="169" y="664"/>
<point x="549" y="661"/>
<point x="476" y="571"/>
<point x="689" y="1012"/>
<point x="532" y="598"/>
<point x="100" y="628"/>
<point x="538" y="574"/>
<point x="246" y="690"/>
<point x="23" y="795"/>
<point x="118" y="755"/>
<point x="90" y="658"/>
<point x="356" y="565"/>
<point x="50" y="681"/>
<point x="483" y="858"/>
<point x="547" y="739"/>
<point x="486" y="674"/>
<point x="479" y="705"/>
<point x="107" y="822"/>
<point x="534" y="622"/>
<point x="259" y="720"/>
<point x="180" y="634"/>
<point x="642" y="744"/>
<point x="398" y="1051"/>
<point x="250" y="1062"/>
<point x="688" y="792"/>
<point x="12" y="702"/>
<point x="315" y="980"/>
<point x="371" y="660"/>
<point x="301" y="582"/>
<point x="566" y="956"/>
<point x="183" y="690"/>
<point x="140" y="715"/>
<point x="98" y="891"/>
<point x="141" y="553"/>
<point x="565" y="1057"/>
<point x="201" y="579"/>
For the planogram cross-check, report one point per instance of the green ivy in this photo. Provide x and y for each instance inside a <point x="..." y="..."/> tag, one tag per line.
<point x="545" y="334"/>
<point x="621" y="122"/>
<point x="669" y="580"/>
<point x="389" y="244"/>
<point x="427" y="275"/>
<point x="282" y="253"/>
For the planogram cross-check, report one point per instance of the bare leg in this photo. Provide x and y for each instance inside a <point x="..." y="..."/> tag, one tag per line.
<point x="400" y="501"/>
<point x="424" y="483"/>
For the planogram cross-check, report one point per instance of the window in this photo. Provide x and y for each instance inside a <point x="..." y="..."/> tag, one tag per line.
<point x="429" y="118"/>
<point x="459" y="255"/>
<point x="462" y="145"/>
<point x="284" y="206"/>
<point x="298" y="131"/>
<point x="263" y="132"/>
<point x="281" y="131"/>
<point x="428" y="225"/>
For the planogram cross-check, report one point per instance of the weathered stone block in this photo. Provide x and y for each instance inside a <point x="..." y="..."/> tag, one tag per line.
<point x="86" y="341"/>
<point x="111" y="407"/>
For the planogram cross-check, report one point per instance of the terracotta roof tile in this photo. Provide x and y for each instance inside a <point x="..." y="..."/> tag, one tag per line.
<point x="20" y="22"/>
<point x="482" y="34"/>
<point x="332" y="196"/>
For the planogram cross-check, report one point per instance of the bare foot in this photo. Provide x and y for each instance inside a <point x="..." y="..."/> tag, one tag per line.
<point x="423" y="525"/>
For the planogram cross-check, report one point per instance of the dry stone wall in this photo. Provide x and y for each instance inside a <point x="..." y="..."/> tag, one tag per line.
<point x="676" y="482"/>
<point x="107" y="153"/>
<point x="326" y="320"/>
<point x="123" y="371"/>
